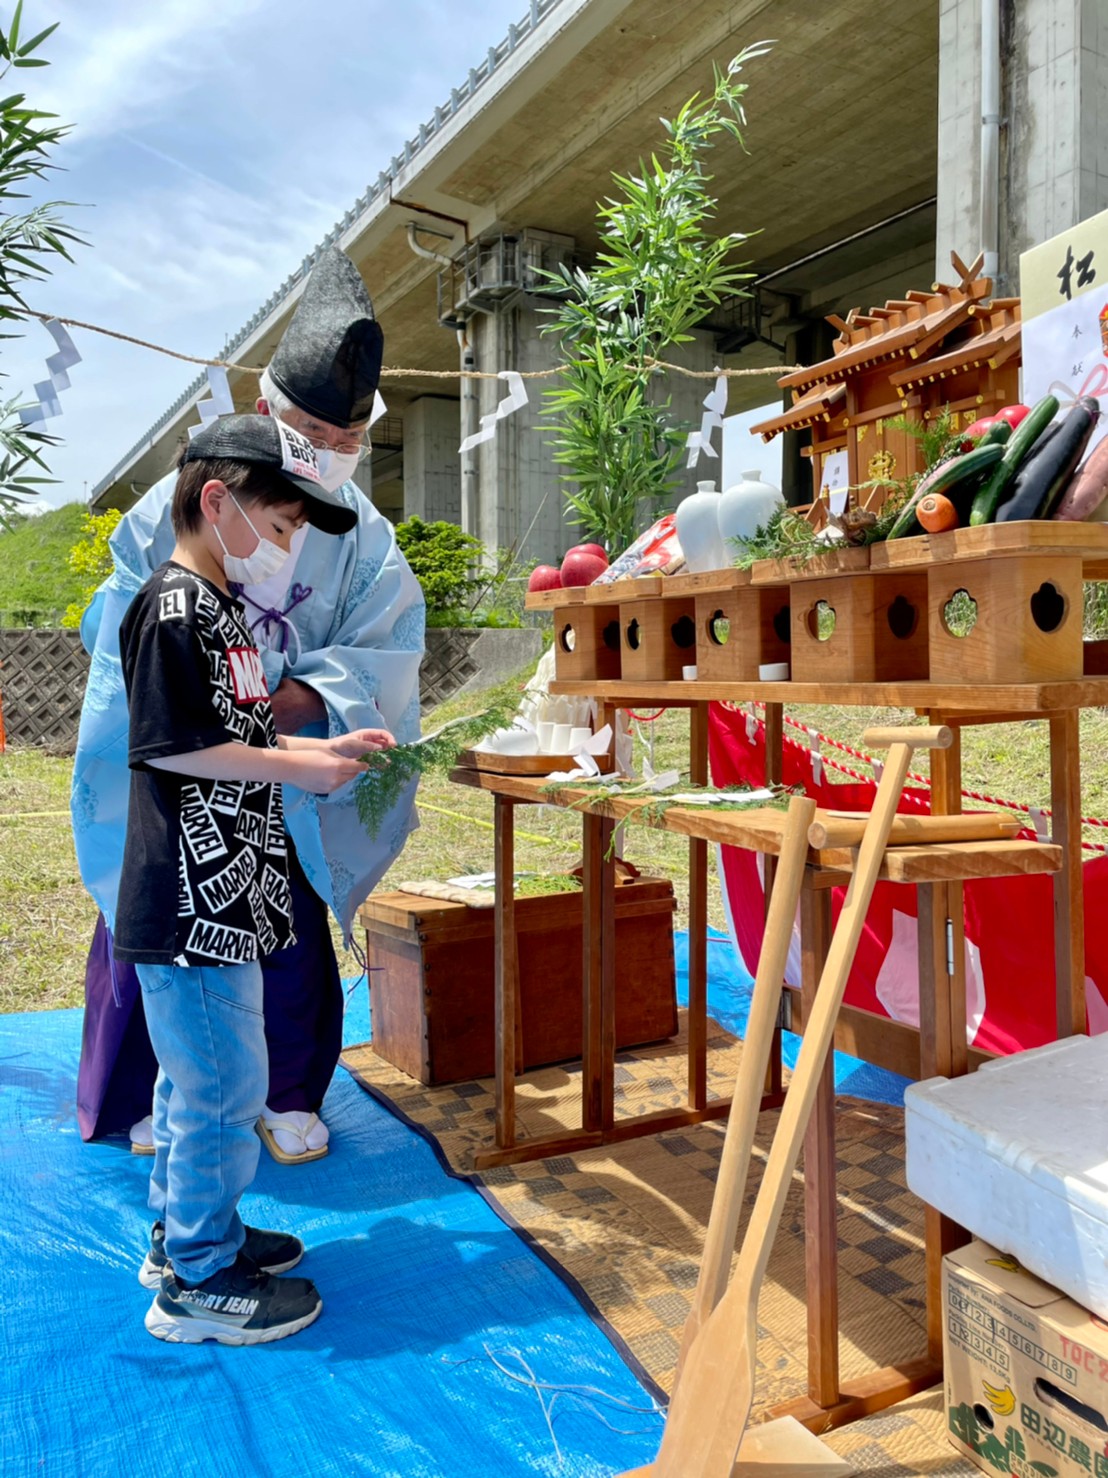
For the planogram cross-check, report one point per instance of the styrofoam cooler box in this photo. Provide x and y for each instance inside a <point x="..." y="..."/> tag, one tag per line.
<point x="1017" y="1153"/>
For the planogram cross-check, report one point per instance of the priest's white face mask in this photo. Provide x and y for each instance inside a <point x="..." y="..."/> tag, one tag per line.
<point x="335" y="467"/>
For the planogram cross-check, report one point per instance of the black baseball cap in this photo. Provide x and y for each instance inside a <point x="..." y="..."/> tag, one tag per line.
<point x="267" y="442"/>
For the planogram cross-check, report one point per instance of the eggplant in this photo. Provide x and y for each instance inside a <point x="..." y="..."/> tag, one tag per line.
<point x="1049" y="468"/>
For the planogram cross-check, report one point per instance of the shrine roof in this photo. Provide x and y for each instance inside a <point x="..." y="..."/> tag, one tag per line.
<point x="817" y="405"/>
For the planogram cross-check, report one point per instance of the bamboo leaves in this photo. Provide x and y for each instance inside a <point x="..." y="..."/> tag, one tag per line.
<point x="658" y="271"/>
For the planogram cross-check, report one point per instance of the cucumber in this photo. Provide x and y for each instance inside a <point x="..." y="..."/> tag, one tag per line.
<point x="1050" y="465"/>
<point x="1019" y="444"/>
<point x="997" y="434"/>
<point x="967" y="467"/>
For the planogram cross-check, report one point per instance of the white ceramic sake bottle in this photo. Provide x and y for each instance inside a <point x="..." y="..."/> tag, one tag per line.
<point x="744" y="507"/>
<point x="698" y="530"/>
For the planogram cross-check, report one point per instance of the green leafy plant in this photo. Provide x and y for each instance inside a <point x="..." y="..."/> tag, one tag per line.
<point x="445" y="561"/>
<point x="91" y="559"/>
<point x="390" y="771"/>
<point x="658" y="272"/>
<point x="784" y="535"/>
<point x="30" y="240"/>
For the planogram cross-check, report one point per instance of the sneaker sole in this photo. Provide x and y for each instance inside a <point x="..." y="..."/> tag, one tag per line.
<point x="191" y="1331"/>
<point x="150" y="1274"/>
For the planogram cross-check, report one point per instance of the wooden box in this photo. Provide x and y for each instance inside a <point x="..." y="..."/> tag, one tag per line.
<point x="658" y="638"/>
<point x="738" y="631"/>
<point x="431" y="978"/>
<point x="1026" y="619"/>
<point x="586" y="642"/>
<point x="878" y="631"/>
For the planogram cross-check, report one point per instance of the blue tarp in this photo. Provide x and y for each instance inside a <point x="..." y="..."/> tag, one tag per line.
<point x="423" y="1286"/>
<point x="445" y="1342"/>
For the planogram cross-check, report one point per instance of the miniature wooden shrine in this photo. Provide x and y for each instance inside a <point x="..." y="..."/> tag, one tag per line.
<point x="951" y="346"/>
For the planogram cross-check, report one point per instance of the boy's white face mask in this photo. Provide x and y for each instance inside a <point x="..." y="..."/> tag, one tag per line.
<point x="251" y="569"/>
<point x="335" y="468"/>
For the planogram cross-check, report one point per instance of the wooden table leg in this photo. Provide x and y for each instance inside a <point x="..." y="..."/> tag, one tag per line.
<point x="698" y="921"/>
<point x="938" y="1031"/>
<point x="591" y="975"/>
<point x="506" y="971"/>
<point x="944" y="1050"/>
<point x="775" y="760"/>
<point x="821" y="1254"/>
<point x="1069" y="898"/>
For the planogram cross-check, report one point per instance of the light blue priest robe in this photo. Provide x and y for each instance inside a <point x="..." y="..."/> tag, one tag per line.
<point x="351" y="627"/>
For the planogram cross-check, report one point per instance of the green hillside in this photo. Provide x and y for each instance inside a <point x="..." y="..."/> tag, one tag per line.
<point x="36" y="583"/>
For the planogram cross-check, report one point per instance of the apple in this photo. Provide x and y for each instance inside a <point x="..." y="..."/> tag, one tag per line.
<point x="581" y="568"/>
<point x="544" y="577"/>
<point x="597" y="549"/>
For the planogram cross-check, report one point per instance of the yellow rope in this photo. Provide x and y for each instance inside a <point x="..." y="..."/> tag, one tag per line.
<point x="529" y="836"/>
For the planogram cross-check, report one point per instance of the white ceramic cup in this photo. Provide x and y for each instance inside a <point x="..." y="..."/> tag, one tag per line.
<point x="773" y="672"/>
<point x="689" y="674"/>
<point x="578" y="738"/>
<point x="545" y="732"/>
<point x="559" y="739"/>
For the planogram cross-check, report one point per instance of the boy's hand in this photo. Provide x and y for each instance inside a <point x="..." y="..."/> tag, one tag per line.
<point x="322" y="770"/>
<point x="362" y="741"/>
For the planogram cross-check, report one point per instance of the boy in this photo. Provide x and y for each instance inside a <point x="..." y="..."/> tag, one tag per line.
<point x="204" y="887"/>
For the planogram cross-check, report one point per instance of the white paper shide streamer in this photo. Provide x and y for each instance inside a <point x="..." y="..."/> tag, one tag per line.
<point x="57" y="367"/>
<point x="715" y="404"/>
<point x="515" y="399"/>
<point x="219" y="403"/>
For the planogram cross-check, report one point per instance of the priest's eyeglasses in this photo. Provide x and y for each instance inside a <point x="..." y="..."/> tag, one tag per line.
<point x="347" y="448"/>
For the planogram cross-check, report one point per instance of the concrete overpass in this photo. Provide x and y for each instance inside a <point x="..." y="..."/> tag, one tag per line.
<point x="861" y="174"/>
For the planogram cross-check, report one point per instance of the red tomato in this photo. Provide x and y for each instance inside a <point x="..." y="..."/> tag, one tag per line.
<point x="974" y="433"/>
<point x="1013" y="414"/>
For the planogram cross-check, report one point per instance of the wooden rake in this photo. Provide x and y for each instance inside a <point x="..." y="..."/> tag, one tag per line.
<point x="710" y="1407"/>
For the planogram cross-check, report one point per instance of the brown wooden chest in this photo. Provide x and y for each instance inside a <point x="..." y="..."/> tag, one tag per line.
<point x="431" y="978"/>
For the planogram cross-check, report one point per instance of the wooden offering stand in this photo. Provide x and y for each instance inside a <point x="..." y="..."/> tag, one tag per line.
<point x="1026" y="557"/>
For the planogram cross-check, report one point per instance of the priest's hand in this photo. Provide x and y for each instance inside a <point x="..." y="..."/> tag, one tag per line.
<point x="295" y="705"/>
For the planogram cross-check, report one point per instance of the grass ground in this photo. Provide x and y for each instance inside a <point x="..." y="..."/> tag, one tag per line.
<point x="46" y="918"/>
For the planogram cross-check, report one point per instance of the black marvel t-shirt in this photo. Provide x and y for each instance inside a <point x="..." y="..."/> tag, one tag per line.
<point x="205" y="866"/>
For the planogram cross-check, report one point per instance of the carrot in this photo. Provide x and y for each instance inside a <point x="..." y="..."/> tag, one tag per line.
<point x="937" y="514"/>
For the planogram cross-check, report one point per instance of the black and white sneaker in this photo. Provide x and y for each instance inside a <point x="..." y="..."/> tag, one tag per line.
<point x="274" y="1252"/>
<point x="239" y="1305"/>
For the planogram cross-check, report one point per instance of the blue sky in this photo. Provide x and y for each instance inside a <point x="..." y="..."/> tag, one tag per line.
<point x="214" y="143"/>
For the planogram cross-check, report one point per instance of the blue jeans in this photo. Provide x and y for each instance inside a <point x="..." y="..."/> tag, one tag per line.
<point x="206" y="1027"/>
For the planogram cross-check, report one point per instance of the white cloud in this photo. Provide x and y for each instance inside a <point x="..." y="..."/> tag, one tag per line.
<point x="108" y="73"/>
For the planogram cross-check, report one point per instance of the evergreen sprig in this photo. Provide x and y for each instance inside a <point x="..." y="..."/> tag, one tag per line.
<point x="390" y="771"/>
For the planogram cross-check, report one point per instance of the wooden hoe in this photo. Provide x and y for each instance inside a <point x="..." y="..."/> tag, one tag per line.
<point x="710" y="1406"/>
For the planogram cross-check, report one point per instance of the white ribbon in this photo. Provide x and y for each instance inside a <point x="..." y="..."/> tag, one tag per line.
<point x="58" y="366"/>
<point x="515" y="399"/>
<point x="751" y="724"/>
<point x="1040" y="823"/>
<point x="815" y="756"/>
<point x="715" y="403"/>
